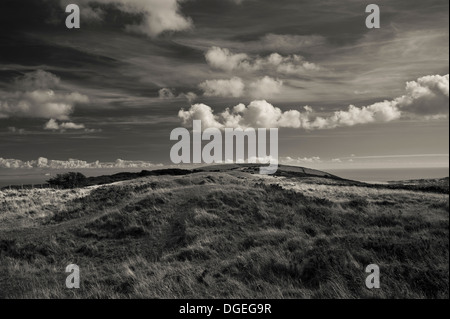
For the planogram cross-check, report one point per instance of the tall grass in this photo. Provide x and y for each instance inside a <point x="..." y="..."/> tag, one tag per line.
<point x="221" y="235"/>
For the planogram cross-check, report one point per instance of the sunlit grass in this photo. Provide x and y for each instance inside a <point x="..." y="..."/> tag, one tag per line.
<point x="224" y="235"/>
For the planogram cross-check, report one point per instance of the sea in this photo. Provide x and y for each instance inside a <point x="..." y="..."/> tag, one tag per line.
<point x="18" y="176"/>
<point x="379" y="175"/>
<point x="390" y="174"/>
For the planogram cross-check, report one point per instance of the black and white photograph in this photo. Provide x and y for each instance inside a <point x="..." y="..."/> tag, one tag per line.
<point x="224" y="150"/>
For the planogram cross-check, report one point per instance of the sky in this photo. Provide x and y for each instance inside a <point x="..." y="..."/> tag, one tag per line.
<point x="109" y="93"/>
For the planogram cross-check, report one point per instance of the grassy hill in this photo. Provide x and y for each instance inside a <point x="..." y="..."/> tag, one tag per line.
<point x="226" y="232"/>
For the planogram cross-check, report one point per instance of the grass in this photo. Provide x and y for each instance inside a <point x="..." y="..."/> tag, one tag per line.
<point x="224" y="235"/>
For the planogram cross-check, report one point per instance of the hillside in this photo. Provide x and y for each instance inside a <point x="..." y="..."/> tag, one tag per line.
<point x="225" y="232"/>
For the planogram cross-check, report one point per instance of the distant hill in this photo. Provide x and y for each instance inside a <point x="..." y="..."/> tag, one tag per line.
<point x="284" y="171"/>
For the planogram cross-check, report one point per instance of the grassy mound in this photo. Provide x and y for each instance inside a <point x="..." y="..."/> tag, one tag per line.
<point x="224" y="235"/>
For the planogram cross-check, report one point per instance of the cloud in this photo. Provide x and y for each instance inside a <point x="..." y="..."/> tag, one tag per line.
<point x="15" y="130"/>
<point x="427" y="96"/>
<point x="43" y="162"/>
<point x="224" y="59"/>
<point x="261" y="88"/>
<point x="35" y="97"/>
<point x="93" y="130"/>
<point x="91" y="14"/>
<point x="52" y="124"/>
<point x="37" y="80"/>
<point x="300" y="160"/>
<point x="288" y="42"/>
<point x="233" y="87"/>
<point x="261" y="114"/>
<point x="265" y="87"/>
<point x="378" y="112"/>
<point x="199" y="112"/>
<point x="157" y="16"/>
<point x="166" y="93"/>
<point x="190" y="96"/>
<point x="258" y="114"/>
<point x="292" y="64"/>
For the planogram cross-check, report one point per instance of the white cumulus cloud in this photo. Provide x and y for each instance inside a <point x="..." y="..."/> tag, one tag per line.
<point x="265" y="87"/>
<point x="261" y="88"/>
<point x="52" y="124"/>
<point x="427" y="97"/>
<point x="224" y="59"/>
<point x="199" y="112"/>
<point x="258" y="114"/>
<point x="35" y="96"/>
<point x="43" y="162"/>
<point x="233" y="87"/>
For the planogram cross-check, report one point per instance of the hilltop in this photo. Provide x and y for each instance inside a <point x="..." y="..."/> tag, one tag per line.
<point x="226" y="232"/>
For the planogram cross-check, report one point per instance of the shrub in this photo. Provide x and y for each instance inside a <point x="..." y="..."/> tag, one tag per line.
<point x="68" y="180"/>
